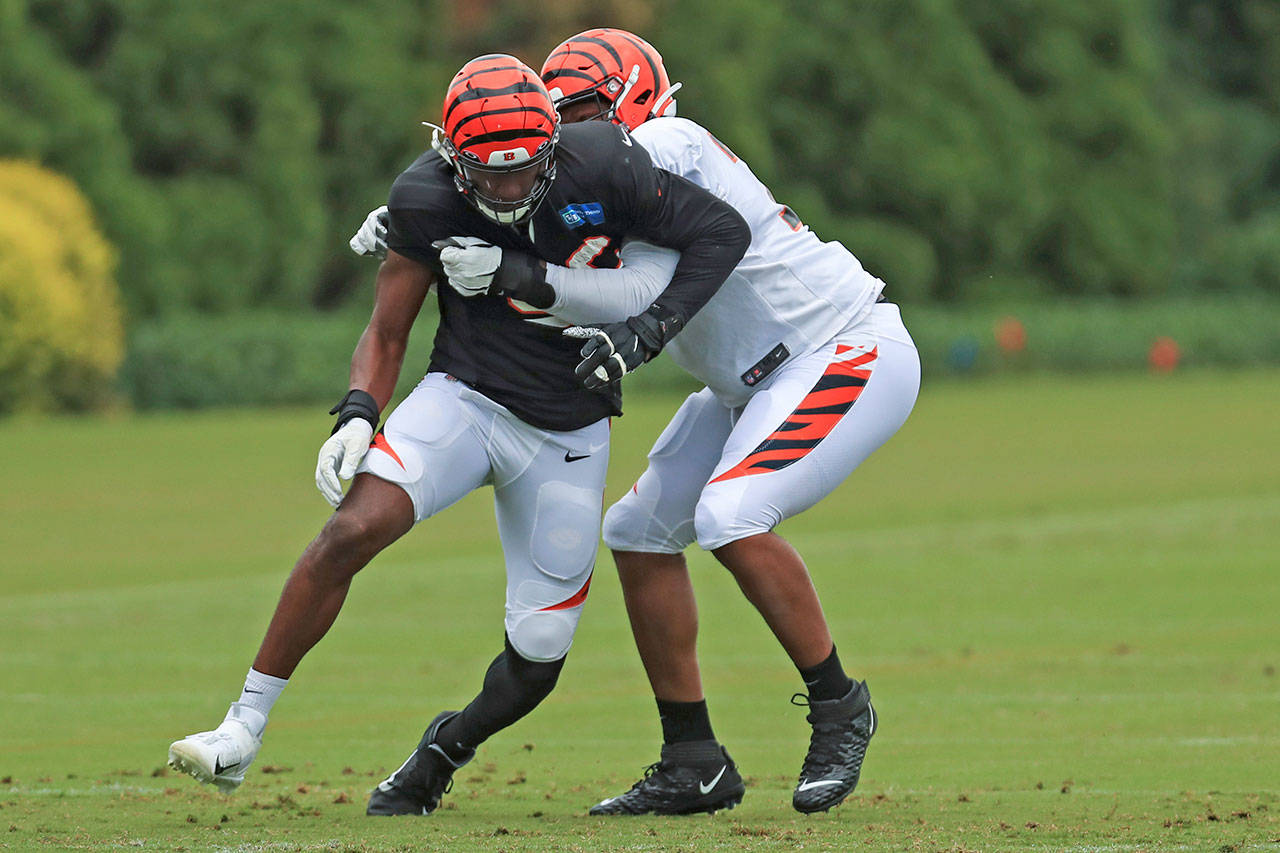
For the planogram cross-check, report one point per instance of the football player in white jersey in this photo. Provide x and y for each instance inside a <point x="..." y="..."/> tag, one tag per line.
<point x="807" y="371"/>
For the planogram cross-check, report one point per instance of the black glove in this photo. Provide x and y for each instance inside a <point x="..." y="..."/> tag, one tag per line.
<point x="615" y="349"/>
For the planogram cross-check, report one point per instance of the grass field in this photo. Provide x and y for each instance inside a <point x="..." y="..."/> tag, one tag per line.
<point x="1063" y="593"/>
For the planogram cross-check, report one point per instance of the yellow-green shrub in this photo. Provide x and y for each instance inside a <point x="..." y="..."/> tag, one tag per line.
<point x="61" y="330"/>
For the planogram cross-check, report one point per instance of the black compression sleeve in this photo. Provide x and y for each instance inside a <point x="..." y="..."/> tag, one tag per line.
<point x="513" y="686"/>
<point x="710" y="234"/>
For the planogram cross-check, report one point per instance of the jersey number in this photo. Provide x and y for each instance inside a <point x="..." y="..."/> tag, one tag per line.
<point x="581" y="257"/>
<point x="587" y="252"/>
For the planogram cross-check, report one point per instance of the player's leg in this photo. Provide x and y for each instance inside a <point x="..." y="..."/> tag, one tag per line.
<point x="402" y="480"/>
<point x="795" y="442"/>
<point x="658" y="594"/>
<point x="374" y="514"/>
<point x="386" y="497"/>
<point x="647" y="530"/>
<point x="548" y="488"/>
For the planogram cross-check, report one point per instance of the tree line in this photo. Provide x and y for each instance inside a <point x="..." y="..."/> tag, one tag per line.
<point x="965" y="150"/>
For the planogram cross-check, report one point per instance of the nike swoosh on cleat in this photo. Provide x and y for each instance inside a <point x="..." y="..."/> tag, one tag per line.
<point x="219" y="768"/>
<point x="805" y="786"/>
<point x="706" y="789"/>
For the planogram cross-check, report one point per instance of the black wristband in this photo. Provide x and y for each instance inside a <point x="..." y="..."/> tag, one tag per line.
<point x="655" y="327"/>
<point x="524" y="277"/>
<point x="357" y="404"/>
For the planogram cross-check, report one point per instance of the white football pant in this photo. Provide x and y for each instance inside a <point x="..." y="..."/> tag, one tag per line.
<point x="447" y="439"/>
<point x="719" y="474"/>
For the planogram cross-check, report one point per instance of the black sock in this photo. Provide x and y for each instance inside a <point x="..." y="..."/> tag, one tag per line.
<point x="827" y="680"/>
<point x="513" y="686"/>
<point x="684" y="721"/>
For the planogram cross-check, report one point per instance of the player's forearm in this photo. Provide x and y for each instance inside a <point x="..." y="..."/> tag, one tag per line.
<point x="588" y="295"/>
<point x="375" y="365"/>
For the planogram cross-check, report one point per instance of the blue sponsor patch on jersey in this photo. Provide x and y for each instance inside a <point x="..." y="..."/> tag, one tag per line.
<point x="576" y="215"/>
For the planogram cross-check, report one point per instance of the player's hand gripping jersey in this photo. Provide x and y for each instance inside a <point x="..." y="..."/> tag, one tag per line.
<point x="790" y="290"/>
<point x="606" y="188"/>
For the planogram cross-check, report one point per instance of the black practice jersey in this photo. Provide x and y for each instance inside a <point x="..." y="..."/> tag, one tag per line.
<point x="606" y="188"/>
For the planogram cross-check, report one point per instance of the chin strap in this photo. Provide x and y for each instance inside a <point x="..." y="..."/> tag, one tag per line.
<point x="440" y="142"/>
<point x="622" y="96"/>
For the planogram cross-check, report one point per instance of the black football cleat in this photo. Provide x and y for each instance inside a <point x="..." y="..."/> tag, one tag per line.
<point x="427" y="775"/>
<point x="842" y="728"/>
<point x="692" y="778"/>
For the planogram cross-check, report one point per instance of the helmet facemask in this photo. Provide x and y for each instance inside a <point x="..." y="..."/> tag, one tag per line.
<point x="482" y="183"/>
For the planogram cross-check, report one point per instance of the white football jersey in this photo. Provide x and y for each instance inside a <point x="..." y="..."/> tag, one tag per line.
<point x="791" y="288"/>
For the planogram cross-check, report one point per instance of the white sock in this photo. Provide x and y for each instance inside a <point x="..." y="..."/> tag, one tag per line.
<point x="261" y="692"/>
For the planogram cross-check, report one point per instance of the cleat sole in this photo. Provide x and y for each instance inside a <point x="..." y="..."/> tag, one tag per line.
<point x="707" y="809"/>
<point x="186" y="762"/>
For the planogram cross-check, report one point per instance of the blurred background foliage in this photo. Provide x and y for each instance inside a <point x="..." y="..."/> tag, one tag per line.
<point x="61" y="335"/>
<point x="971" y="152"/>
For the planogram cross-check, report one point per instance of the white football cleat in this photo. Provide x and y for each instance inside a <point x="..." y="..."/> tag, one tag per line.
<point x="219" y="757"/>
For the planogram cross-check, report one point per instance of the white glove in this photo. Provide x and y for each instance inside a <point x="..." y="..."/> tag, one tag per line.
<point x="340" y="456"/>
<point x="371" y="239"/>
<point x="469" y="263"/>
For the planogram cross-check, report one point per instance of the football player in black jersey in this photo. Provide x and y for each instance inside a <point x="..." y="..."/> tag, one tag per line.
<point x="500" y="403"/>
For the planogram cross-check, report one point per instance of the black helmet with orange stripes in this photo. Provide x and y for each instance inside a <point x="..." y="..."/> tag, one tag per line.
<point x="499" y="132"/>
<point x="619" y="72"/>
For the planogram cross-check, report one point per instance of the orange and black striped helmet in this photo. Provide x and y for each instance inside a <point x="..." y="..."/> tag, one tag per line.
<point x="619" y="70"/>
<point x="499" y="131"/>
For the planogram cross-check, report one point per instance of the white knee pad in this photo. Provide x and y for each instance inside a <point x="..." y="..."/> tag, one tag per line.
<point x="621" y="523"/>
<point x="722" y="516"/>
<point x="633" y="524"/>
<point x="543" y="635"/>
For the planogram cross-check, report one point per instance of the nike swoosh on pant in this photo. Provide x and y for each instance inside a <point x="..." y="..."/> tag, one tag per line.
<point x="706" y="789"/>
<point x="805" y="786"/>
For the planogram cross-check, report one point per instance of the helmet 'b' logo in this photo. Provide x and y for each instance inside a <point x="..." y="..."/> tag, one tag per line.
<point x="508" y="155"/>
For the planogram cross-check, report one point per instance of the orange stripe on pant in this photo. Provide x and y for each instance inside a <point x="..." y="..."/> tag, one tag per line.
<point x="380" y="442"/>
<point x="573" y="600"/>
<point x="841" y="397"/>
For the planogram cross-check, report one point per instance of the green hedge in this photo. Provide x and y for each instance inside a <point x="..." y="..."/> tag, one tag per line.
<point x="258" y="359"/>
<point x="264" y="359"/>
